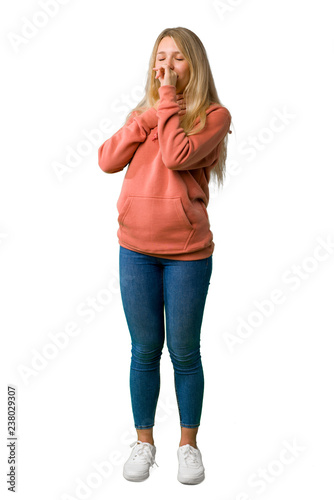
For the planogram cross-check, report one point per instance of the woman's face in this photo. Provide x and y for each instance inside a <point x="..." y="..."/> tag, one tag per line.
<point x="169" y="53"/>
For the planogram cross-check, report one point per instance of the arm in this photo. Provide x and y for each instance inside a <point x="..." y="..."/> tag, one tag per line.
<point x="180" y="152"/>
<point x="116" y="152"/>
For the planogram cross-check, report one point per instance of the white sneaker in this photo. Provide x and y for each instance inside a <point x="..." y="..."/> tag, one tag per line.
<point x="142" y="457"/>
<point x="191" y="470"/>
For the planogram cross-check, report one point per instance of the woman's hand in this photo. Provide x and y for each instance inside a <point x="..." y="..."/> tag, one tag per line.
<point x="166" y="75"/>
<point x="181" y="102"/>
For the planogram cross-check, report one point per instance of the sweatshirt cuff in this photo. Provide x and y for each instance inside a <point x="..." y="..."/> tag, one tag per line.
<point x="149" y="118"/>
<point x="167" y="92"/>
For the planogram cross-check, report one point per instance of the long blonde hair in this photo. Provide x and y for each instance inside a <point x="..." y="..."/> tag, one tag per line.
<point x="199" y="93"/>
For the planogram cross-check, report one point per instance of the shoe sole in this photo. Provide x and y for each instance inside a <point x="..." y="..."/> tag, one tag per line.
<point x="191" y="480"/>
<point x="136" y="479"/>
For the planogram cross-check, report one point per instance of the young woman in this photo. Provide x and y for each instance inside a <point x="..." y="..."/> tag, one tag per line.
<point x="173" y="141"/>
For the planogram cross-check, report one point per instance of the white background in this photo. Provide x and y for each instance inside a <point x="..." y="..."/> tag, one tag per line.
<point x="59" y="250"/>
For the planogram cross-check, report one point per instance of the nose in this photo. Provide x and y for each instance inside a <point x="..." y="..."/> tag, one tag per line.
<point x="169" y="62"/>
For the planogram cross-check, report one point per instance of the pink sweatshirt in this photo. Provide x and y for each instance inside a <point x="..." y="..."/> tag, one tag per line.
<point x="164" y="197"/>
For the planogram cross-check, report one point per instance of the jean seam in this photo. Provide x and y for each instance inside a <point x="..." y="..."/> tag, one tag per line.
<point x="177" y="399"/>
<point x="190" y="426"/>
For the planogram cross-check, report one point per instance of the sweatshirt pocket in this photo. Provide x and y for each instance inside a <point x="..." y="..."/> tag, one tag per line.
<point x="155" y="224"/>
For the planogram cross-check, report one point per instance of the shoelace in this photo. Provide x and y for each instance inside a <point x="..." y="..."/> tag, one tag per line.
<point x="144" y="452"/>
<point x="190" y="455"/>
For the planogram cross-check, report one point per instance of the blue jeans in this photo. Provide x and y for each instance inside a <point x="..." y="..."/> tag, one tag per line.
<point x="151" y="286"/>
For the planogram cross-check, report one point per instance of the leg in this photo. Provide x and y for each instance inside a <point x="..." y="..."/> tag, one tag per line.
<point x="145" y="435"/>
<point x="188" y="436"/>
<point x="142" y="297"/>
<point x="186" y="285"/>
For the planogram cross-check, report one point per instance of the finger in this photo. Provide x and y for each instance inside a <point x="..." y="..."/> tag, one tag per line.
<point x="159" y="73"/>
<point x="157" y="69"/>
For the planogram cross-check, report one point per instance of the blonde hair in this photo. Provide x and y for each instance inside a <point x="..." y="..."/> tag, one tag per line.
<point x="199" y="93"/>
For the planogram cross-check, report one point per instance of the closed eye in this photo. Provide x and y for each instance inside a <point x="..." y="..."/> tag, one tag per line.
<point x="176" y="59"/>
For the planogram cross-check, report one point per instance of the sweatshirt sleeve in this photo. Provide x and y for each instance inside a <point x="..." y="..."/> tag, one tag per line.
<point x="116" y="152"/>
<point x="182" y="152"/>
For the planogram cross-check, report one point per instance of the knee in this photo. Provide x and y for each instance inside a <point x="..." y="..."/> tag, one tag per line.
<point x="185" y="360"/>
<point x="145" y="357"/>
